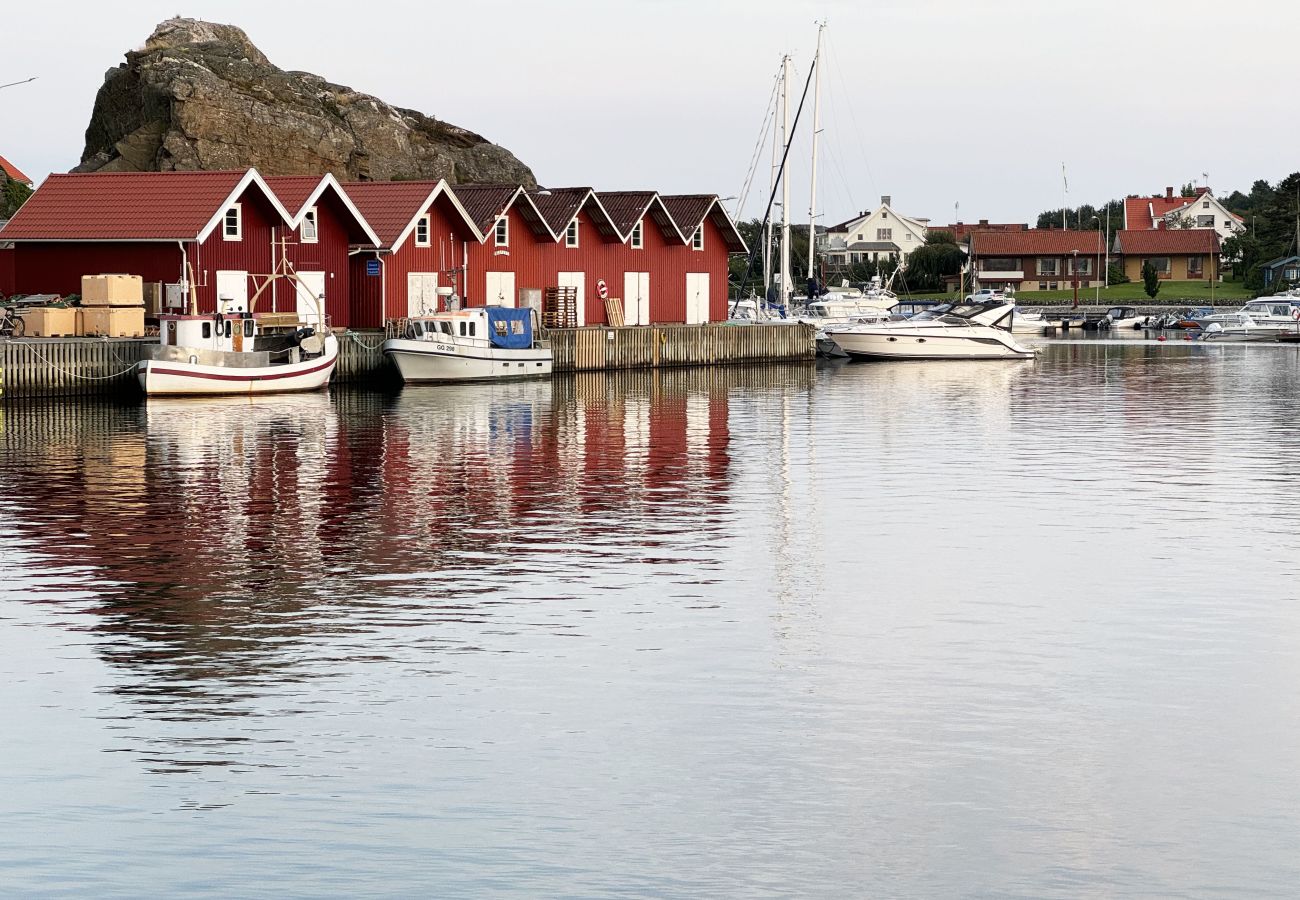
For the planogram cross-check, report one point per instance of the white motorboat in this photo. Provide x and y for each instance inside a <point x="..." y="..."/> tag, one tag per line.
<point x="1262" y="311"/>
<point x="1120" y="317"/>
<point x="481" y="343"/>
<point x="967" y="331"/>
<point x="232" y="354"/>
<point x="1027" y="322"/>
<point x="1238" y="327"/>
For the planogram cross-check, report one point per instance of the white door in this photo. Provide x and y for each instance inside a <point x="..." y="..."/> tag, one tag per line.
<point x="421" y="293"/>
<point x="232" y="291"/>
<point x="636" y="298"/>
<point x="697" y="298"/>
<point x="577" y="280"/>
<point x="500" y="289"/>
<point x="311" y="297"/>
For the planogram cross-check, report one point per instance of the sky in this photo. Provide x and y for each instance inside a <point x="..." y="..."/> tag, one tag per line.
<point x="951" y="107"/>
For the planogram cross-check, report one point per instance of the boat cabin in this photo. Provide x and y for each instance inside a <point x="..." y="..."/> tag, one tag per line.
<point x="1271" y="308"/>
<point x="234" y="339"/>
<point x="229" y="333"/>
<point x="1115" y="313"/>
<point x="504" y="327"/>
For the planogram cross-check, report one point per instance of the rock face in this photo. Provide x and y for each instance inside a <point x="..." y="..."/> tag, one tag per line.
<point x="201" y="96"/>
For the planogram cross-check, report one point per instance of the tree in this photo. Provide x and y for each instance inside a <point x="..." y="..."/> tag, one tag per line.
<point x="1150" y="279"/>
<point x="928" y="265"/>
<point x="13" y="194"/>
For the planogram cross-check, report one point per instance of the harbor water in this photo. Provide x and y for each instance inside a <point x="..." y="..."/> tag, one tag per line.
<point x="899" y="629"/>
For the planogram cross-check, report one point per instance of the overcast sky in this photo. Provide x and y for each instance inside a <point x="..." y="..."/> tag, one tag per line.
<point x="934" y="102"/>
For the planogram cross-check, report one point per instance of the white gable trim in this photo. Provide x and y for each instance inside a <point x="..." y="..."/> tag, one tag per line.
<point x="441" y="188"/>
<point x="329" y="181"/>
<point x="251" y="177"/>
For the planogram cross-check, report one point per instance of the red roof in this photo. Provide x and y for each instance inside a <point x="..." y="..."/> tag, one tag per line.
<point x="485" y="203"/>
<point x="626" y="208"/>
<point x="294" y="190"/>
<point x="125" y="206"/>
<point x="1171" y="241"/>
<point x="13" y="171"/>
<point x="559" y="205"/>
<point x="390" y="206"/>
<point x="690" y="210"/>
<point x="1143" y="212"/>
<point x="1035" y="242"/>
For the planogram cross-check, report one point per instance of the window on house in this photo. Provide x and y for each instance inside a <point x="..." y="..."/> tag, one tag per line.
<point x="1047" y="266"/>
<point x="571" y="234"/>
<point x="884" y="234"/>
<point x="422" y="232"/>
<point x="309" y="233"/>
<point x="884" y="215"/>
<point x="502" y="236"/>
<point x="859" y="237"/>
<point x="1291" y="274"/>
<point x="1084" y="265"/>
<point x="697" y="239"/>
<point x="1194" y="266"/>
<point x="996" y="264"/>
<point x="1205" y="204"/>
<point x="232" y="225"/>
<point x="1161" y="264"/>
<point x="637" y="236"/>
<point x="908" y="236"/>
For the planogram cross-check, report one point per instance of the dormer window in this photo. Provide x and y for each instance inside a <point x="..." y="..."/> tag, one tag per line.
<point x="697" y="239"/>
<point x="571" y="234"/>
<point x="422" y="232"/>
<point x="502" y="235"/>
<point x="636" y="241"/>
<point x="309" y="233"/>
<point x="232" y="224"/>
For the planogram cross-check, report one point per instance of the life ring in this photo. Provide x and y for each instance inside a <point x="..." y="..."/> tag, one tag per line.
<point x="603" y="292"/>
<point x="1295" y="313"/>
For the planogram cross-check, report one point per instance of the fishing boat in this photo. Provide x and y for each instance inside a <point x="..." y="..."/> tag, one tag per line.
<point x="231" y="353"/>
<point x="238" y="351"/>
<point x="481" y="343"/>
<point x="967" y="331"/>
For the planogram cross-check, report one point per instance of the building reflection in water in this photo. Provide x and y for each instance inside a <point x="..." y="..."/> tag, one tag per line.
<point x="229" y="545"/>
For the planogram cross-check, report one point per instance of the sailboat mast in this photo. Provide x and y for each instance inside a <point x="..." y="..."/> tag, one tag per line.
<point x="785" y="181"/>
<point x="816" y="131"/>
<point x="771" y="186"/>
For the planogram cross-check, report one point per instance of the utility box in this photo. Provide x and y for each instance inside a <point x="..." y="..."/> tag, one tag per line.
<point x="50" y="321"/>
<point x="153" y="298"/>
<point x="112" y="321"/>
<point x="112" y="290"/>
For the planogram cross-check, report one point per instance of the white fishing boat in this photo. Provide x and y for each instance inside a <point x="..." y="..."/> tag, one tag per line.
<point x="967" y="331"/>
<point x="1262" y="311"/>
<point x="482" y="343"/>
<point x="231" y="354"/>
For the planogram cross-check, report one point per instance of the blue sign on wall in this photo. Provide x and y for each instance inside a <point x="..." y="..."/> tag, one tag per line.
<point x="372" y="267"/>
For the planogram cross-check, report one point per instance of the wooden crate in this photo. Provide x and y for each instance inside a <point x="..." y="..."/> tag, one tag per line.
<point x="560" y="307"/>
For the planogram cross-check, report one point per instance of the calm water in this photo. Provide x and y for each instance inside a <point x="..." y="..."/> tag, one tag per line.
<point x="872" y="630"/>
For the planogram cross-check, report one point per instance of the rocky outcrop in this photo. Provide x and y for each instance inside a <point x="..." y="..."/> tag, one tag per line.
<point x="199" y="95"/>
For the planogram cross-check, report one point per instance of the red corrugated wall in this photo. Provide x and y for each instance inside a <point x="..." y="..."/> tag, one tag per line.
<point x="6" y="272"/>
<point x="367" y="292"/>
<point x="252" y="253"/>
<point x="56" y="268"/>
<point x="329" y="255"/>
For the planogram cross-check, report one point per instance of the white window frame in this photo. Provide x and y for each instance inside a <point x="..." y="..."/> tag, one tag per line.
<point x="884" y="234"/>
<point x="697" y="239"/>
<point x="501" y="232"/>
<point x="637" y="239"/>
<point x="238" y="233"/>
<point x="310" y="231"/>
<point x="426" y="222"/>
<point x="571" y="234"/>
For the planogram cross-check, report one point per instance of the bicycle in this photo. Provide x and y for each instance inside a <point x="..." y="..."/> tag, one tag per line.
<point x="11" y="324"/>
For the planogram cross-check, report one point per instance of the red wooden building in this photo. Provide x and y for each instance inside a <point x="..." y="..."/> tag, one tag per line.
<point x="324" y="224"/>
<point x="424" y="233"/>
<point x="210" y="232"/>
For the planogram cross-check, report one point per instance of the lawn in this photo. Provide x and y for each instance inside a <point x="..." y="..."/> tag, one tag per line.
<point x="1172" y="293"/>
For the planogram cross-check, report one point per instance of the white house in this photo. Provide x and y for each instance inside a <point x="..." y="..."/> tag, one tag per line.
<point x="872" y="237"/>
<point x="1203" y="210"/>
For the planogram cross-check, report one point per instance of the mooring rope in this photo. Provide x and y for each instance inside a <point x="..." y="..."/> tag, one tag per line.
<point x="71" y="374"/>
<point x="363" y="345"/>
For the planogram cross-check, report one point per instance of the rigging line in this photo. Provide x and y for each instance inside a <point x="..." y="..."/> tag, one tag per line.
<point x="769" y="116"/>
<point x="853" y="116"/>
<point x="780" y="172"/>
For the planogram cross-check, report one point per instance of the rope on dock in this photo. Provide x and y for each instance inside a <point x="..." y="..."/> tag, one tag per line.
<point x="363" y="345"/>
<point x="45" y="359"/>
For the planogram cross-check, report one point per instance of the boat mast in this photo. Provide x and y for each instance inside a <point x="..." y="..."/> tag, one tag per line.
<point x="771" y="186"/>
<point x="785" y="182"/>
<point x="816" y="130"/>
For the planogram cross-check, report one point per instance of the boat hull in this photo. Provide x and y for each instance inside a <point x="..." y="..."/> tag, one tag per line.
<point x="424" y="362"/>
<point x="169" y="378"/>
<point x="900" y="344"/>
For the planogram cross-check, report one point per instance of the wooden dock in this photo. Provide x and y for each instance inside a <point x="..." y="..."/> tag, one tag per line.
<point x="653" y="346"/>
<point x="31" y="367"/>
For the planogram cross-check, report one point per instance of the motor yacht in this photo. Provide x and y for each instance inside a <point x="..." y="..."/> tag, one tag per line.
<point x="967" y="331"/>
<point x="1262" y="311"/>
<point x="1237" y="327"/>
<point x="1123" y="317"/>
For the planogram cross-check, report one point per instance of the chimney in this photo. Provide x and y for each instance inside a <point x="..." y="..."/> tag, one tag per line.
<point x="984" y="222"/>
<point x="884" y="200"/>
<point x="1169" y="193"/>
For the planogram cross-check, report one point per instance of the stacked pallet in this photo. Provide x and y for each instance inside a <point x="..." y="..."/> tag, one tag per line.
<point x="112" y="305"/>
<point x="560" y="307"/>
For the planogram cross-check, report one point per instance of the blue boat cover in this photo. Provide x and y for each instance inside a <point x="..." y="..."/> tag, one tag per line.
<point x="509" y="328"/>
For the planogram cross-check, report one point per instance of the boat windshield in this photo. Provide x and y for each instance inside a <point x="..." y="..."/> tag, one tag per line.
<point x="971" y="310"/>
